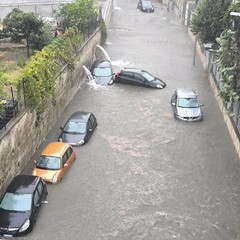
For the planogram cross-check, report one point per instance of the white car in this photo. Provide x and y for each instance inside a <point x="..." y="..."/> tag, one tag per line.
<point x="186" y="105"/>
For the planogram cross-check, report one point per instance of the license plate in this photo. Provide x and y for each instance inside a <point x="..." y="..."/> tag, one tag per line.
<point x="7" y="235"/>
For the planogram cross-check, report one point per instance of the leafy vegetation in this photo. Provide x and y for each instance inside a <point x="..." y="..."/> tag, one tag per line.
<point x="80" y="13"/>
<point x="228" y="58"/>
<point x="20" y="25"/>
<point x="39" y="74"/>
<point x="207" y="21"/>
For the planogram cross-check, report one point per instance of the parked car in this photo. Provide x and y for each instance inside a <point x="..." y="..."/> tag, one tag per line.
<point x="102" y="72"/>
<point x="186" y="105"/>
<point x="78" y="129"/>
<point x="145" y="6"/>
<point x="54" y="162"/>
<point x="20" y="205"/>
<point x="135" y="76"/>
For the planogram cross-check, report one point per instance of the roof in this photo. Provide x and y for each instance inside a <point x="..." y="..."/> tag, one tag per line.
<point x="135" y="70"/>
<point x="80" y="116"/>
<point x="55" y="149"/>
<point x="23" y="184"/>
<point x="186" y="93"/>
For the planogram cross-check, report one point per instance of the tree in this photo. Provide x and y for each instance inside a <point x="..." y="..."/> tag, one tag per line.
<point x="80" y="14"/>
<point x="207" y="22"/>
<point x="20" y="25"/>
<point x="228" y="58"/>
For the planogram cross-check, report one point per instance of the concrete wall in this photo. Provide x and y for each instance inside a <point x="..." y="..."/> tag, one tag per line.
<point x="23" y="137"/>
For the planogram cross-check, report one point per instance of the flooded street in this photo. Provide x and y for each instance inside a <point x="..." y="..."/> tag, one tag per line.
<point x="144" y="175"/>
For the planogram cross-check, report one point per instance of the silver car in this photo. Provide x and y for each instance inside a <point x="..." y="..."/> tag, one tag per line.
<point x="186" y="105"/>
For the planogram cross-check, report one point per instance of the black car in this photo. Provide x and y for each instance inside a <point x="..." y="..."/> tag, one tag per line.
<point x="145" y="6"/>
<point x="139" y="77"/>
<point x="78" y="128"/>
<point x="102" y="72"/>
<point x="20" y="205"/>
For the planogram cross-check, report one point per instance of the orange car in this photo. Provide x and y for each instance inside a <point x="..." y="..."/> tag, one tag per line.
<point x="54" y="162"/>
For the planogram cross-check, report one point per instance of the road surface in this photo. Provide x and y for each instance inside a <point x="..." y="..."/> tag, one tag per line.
<point x="145" y="175"/>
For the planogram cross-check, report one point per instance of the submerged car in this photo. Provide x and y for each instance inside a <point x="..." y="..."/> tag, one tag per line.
<point x="20" y="205"/>
<point x="54" y="162"/>
<point x="145" y="6"/>
<point x="186" y="105"/>
<point x="135" y="76"/>
<point x="78" y="129"/>
<point x="102" y="72"/>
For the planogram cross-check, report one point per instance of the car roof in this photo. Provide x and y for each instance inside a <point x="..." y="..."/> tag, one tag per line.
<point x="23" y="184"/>
<point x="101" y="63"/>
<point x="80" y="116"/>
<point x="55" y="149"/>
<point x="147" y="3"/>
<point x="186" y="93"/>
<point x="134" y="70"/>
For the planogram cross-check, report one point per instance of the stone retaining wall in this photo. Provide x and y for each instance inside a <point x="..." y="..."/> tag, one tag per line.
<point x="20" y="141"/>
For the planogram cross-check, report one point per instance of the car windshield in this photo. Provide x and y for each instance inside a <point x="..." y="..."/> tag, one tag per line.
<point x="148" y="76"/>
<point x="16" y="202"/>
<point x="102" y="72"/>
<point x="75" y="127"/>
<point x="49" y="162"/>
<point x="188" y="103"/>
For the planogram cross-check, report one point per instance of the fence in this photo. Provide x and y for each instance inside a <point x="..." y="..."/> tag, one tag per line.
<point x="39" y="9"/>
<point x="9" y="109"/>
<point x="15" y="101"/>
<point x="217" y="79"/>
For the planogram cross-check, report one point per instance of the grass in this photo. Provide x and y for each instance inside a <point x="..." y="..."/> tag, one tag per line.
<point x="11" y="58"/>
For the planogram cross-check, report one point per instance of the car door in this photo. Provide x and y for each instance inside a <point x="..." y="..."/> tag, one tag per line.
<point x="93" y="121"/>
<point x="139" y="5"/>
<point x="65" y="160"/>
<point x="174" y="102"/>
<point x="138" y="80"/>
<point x="37" y="200"/>
<point x="71" y="156"/>
<point x="127" y="77"/>
<point x="89" y="130"/>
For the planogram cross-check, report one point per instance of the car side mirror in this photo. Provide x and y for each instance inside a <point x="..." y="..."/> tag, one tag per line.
<point x="35" y="161"/>
<point x="61" y="128"/>
<point x="173" y="103"/>
<point x="65" y="165"/>
<point x="90" y="130"/>
<point x="201" y="104"/>
<point x="44" y="202"/>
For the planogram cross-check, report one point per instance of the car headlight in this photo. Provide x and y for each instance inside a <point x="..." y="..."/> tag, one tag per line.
<point x="159" y="86"/>
<point x="81" y="142"/>
<point x="54" y="179"/>
<point x="60" y="140"/>
<point x="25" y="226"/>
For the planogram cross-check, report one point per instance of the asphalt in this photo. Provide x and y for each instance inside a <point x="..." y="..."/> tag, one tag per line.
<point x="144" y="175"/>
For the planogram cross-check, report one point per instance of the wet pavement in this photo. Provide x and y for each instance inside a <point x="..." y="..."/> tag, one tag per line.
<point x="144" y="175"/>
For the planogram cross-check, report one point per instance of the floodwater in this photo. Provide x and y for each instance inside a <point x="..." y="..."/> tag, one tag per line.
<point x="144" y="175"/>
